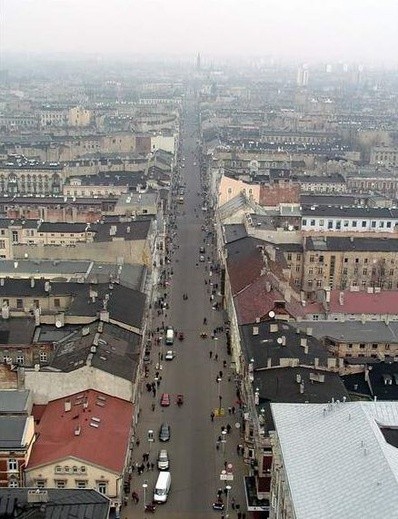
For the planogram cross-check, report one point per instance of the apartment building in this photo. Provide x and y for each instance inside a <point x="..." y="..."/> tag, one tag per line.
<point x="384" y="155"/>
<point x="348" y="219"/>
<point x="344" y="262"/>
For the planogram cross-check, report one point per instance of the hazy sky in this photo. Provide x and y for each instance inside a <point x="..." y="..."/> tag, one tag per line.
<point x="362" y="30"/>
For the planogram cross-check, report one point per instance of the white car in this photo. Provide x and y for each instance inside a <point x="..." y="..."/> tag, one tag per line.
<point x="169" y="355"/>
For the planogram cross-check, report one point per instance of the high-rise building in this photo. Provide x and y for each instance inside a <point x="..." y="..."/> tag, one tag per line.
<point x="198" y="61"/>
<point x="302" y="75"/>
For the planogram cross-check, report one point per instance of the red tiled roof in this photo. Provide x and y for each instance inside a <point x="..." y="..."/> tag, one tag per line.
<point x="385" y="302"/>
<point x="105" y="445"/>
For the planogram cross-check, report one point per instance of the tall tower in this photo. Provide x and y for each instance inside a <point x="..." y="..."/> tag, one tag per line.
<point x="302" y="75"/>
<point x="198" y="62"/>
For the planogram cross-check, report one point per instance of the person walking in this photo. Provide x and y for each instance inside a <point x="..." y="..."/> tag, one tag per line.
<point x="212" y="416"/>
<point x="210" y="354"/>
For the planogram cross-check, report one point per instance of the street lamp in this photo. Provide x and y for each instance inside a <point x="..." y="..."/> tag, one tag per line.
<point x="145" y="486"/>
<point x="219" y="379"/>
<point x="215" y="346"/>
<point x="228" y="489"/>
<point x="223" y="440"/>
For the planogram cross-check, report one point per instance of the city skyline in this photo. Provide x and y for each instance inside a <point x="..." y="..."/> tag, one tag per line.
<point x="362" y="31"/>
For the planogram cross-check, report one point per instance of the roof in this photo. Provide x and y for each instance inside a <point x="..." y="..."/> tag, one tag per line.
<point x="337" y="460"/>
<point x="353" y="331"/>
<point x="14" y="401"/>
<point x="385" y="302"/>
<point x="134" y="230"/>
<point x="62" y="503"/>
<point x="281" y="385"/>
<point x="64" y="227"/>
<point x="341" y="243"/>
<point x="33" y="267"/>
<point x="348" y="212"/>
<point x="244" y="262"/>
<point x="234" y="232"/>
<point x="16" y="331"/>
<point x="57" y="439"/>
<point x="267" y="346"/>
<point x="117" y="350"/>
<point x="12" y="430"/>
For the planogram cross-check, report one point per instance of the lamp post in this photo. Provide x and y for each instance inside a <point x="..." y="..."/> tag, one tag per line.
<point x="219" y="379"/>
<point x="223" y="441"/>
<point x="145" y="486"/>
<point x="215" y="346"/>
<point x="228" y="489"/>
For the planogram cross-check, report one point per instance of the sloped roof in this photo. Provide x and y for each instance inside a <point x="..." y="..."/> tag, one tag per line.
<point x="386" y="302"/>
<point x="104" y="445"/>
<point x="337" y="461"/>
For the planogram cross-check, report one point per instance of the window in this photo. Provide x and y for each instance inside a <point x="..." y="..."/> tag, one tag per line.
<point x="365" y="272"/>
<point x="309" y="282"/>
<point x="20" y="359"/>
<point x="43" y="356"/>
<point x="387" y="346"/>
<point x="321" y="259"/>
<point x="345" y="260"/>
<point x="289" y="256"/>
<point x="321" y="223"/>
<point x="60" y="483"/>
<point x="365" y="260"/>
<point x="15" y="237"/>
<point x="13" y="483"/>
<point x="81" y="483"/>
<point x="388" y="225"/>
<point x="381" y="225"/>
<point x="298" y="257"/>
<point x="12" y="465"/>
<point x="319" y="283"/>
<point x="298" y="268"/>
<point x="345" y="223"/>
<point x="338" y="224"/>
<point x="330" y="224"/>
<point x="40" y="483"/>
<point x="374" y="346"/>
<point x="354" y="223"/>
<point x="19" y="303"/>
<point x="349" y="345"/>
<point x="312" y="223"/>
<point x="363" y="223"/>
<point x="362" y="346"/>
<point x="304" y="222"/>
<point x="57" y="303"/>
<point x="373" y="224"/>
<point x="102" y="487"/>
<point x="310" y="271"/>
<point x="312" y="259"/>
<point x="2" y="244"/>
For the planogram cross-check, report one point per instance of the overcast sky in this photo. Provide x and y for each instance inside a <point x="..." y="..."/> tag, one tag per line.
<point x="359" y="30"/>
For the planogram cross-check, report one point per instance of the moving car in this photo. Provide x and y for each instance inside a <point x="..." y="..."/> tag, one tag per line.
<point x="202" y="250"/>
<point x="163" y="460"/>
<point x="169" y="355"/>
<point x="164" y="432"/>
<point x="165" y="400"/>
<point x="201" y="258"/>
<point x="162" y="487"/>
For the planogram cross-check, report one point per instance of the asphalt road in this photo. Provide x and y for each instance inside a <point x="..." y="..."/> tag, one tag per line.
<point x="196" y="463"/>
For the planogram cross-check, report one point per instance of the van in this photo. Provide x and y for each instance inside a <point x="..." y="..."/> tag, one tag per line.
<point x="162" y="487"/>
<point x="163" y="460"/>
<point x="169" y="336"/>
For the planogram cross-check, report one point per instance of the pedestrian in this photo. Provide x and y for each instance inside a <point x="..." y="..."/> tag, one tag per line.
<point x="220" y="374"/>
<point x="228" y="428"/>
<point x="229" y="410"/>
<point x="148" y="466"/>
<point x="137" y="442"/>
<point x="239" y="515"/>
<point x="219" y="492"/>
<point x="222" y="428"/>
<point x="233" y="503"/>
<point x="152" y="466"/>
<point x="233" y="409"/>
<point x="210" y="354"/>
<point x="238" y="450"/>
<point x="225" y="465"/>
<point x="224" y="363"/>
<point x="216" y="357"/>
<point x="212" y="416"/>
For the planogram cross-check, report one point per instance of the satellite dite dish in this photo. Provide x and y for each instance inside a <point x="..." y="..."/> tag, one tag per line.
<point x="271" y="314"/>
<point x="58" y="324"/>
<point x="279" y="340"/>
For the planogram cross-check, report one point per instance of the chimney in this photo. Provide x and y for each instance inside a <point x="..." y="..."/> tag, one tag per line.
<point x="32" y="282"/>
<point x="341" y="298"/>
<point x="67" y="405"/>
<point x="301" y="388"/>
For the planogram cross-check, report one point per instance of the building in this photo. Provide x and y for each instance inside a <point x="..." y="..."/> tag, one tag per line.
<point x="17" y="435"/>
<point x="329" y="459"/>
<point x="349" y="219"/>
<point x="343" y="262"/>
<point x="82" y="442"/>
<point x="50" y="503"/>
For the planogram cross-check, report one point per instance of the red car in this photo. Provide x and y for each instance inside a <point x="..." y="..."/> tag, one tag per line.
<point x="165" y="400"/>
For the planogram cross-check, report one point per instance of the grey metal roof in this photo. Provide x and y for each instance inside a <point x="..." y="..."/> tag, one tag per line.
<point x="348" y="212"/>
<point x="14" y="401"/>
<point x="352" y="331"/>
<point x="11" y="431"/>
<point x="62" y="504"/>
<point x="340" y="243"/>
<point x="8" y="267"/>
<point x="234" y="232"/>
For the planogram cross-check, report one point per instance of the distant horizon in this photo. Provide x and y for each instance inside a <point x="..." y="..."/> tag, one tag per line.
<point x="360" y="31"/>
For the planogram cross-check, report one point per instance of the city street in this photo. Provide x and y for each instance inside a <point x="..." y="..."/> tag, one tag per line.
<point x="198" y="371"/>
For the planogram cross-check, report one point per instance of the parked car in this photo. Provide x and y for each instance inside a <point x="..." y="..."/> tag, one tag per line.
<point x="163" y="460"/>
<point x="164" y="432"/>
<point x="165" y="400"/>
<point x="169" y="355"/>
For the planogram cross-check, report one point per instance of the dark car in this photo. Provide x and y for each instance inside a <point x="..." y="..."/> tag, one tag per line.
<point x="164" y="432"/>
